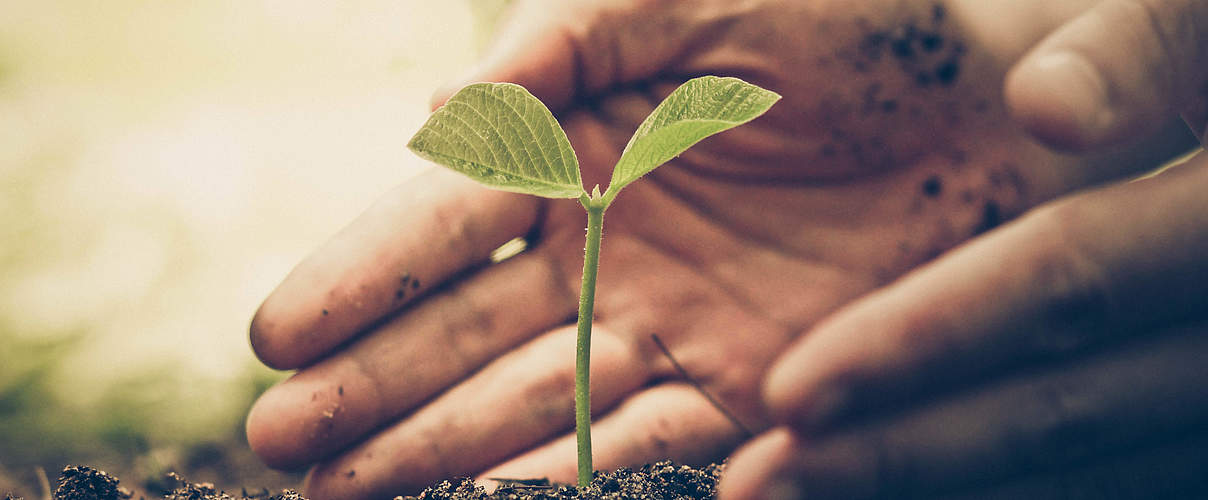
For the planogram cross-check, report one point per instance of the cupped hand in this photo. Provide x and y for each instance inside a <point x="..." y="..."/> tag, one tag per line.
<point x="1074" y="333"/>
<point x="420" y="360"/>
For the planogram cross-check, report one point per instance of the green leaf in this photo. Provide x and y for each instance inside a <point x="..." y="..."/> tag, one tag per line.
<point x="697" y="109"/>
<point x="502" y="136"/>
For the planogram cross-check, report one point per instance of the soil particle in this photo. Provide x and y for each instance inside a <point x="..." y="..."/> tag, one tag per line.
<point x="404" y="282"/>
<point x="947" y="71"/>
<point x="658" y="481"/>
<point x="195" y="491"/>
<point x="86" y="483"/>
<point x="919" y="47"/>
<point x="991" y="218"/>
<point x="931" y="42"/>
<point x="933" y="186"/>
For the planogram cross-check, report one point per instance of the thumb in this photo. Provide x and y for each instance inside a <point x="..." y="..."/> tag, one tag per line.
<point x="1119" y="71"/>
<point x="536" y="47"/>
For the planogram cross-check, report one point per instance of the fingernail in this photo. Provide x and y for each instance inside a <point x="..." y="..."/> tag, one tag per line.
<point x="1077" y="87"/>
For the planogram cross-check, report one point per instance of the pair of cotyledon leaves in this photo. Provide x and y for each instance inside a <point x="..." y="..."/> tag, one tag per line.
<point x="502" y="136"/>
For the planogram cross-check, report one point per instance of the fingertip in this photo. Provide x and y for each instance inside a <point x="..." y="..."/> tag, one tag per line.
<point x="440" y="97"/>
<point x="312" y="415"/>
<point x="778" y="393"/>
<point x="762" y="469"/>
<point x="795" y="394"/>
<point x="805" y="409"/>
<point x="1062" y="100"/>
<point x="267" y="435"/>
<point x="447" y="89"/>
<point x="270" y="342"/>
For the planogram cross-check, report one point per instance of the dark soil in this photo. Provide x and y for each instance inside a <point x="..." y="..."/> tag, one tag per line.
<point x="659" y="481"/>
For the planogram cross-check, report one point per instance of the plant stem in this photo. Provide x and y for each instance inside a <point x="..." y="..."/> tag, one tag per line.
<point x="587" y="298"/>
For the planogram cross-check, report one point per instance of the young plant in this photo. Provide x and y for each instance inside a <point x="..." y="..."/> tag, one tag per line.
<point x="502" y="136"/>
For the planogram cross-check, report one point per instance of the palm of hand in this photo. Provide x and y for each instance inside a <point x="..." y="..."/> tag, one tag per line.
<point x="874" y="163"/>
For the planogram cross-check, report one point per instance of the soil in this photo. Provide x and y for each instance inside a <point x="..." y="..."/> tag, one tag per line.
<point x="658" y="481"/>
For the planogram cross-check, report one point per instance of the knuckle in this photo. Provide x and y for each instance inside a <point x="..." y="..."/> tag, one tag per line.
<point x="1174" y="30"/>
<point x="450" y="217"/>
<point x="1065" y="427"/>
<point x="1071" y="288"/>
<point x="891" y="467"/>
<point x="657" y="437"/>
<point x="467" y="326"/>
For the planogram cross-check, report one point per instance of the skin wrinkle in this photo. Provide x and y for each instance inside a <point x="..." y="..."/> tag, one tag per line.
<point x="1077" y="284"/>
<point x="797" y="252"/>
<point x="1154" y="17"/>
<point x="705" y="211"/>
<point x="472" y="317"/>
<point x="478" y="365"/>
<point x="730" y="289"/>
<point x="379" y="413"/>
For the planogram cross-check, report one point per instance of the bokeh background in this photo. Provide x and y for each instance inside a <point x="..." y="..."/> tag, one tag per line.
<point x="163" y="164"/>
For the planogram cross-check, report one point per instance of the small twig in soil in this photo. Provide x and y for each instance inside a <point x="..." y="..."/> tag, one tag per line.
<point x="522" y="483"/>
<point x="701" y="389"/>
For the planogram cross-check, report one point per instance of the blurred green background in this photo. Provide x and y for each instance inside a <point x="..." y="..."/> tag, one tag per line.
<point x="163" y="164"/>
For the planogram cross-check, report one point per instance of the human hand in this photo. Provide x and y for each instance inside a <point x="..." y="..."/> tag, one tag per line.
<point x="420" y="361"/>
<point x="1075" y="332"/>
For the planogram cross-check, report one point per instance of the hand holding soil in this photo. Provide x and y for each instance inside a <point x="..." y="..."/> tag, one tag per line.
<point x="419" y="360"/>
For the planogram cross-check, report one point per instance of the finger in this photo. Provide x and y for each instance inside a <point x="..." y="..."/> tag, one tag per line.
<point x="566" y="51"/>
<point x="537" y="46"/>
<point x="408" y="360"/>
<point x="669" y="421"/>
<point x="1115" y="73"/>
<point x="1071" y="275"/>
<point x="416" y="237"/>
<point x="1046" y="421"/>
<point x="513" y="404"/>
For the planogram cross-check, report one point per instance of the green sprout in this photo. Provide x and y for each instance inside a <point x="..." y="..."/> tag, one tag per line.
<point x="502" y="136"/>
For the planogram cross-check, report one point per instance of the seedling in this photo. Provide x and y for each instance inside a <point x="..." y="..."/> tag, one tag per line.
<point x="502" y="136"/>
